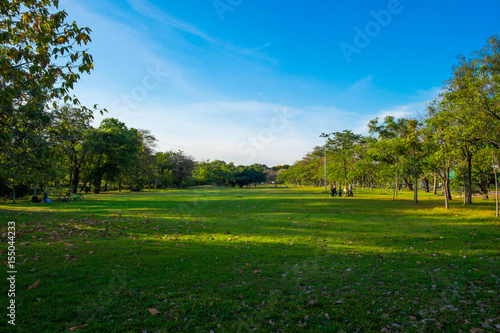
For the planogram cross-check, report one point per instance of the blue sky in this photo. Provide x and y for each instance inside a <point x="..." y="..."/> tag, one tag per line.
<point x="258" y="81"/>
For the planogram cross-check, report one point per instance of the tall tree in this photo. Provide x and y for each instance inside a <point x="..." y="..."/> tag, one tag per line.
<point x="246" y="175"/>
<point x="144" y="171"/>
<point x="469" y="109"/>
<point x="26" y="140"/>
<point x="343" y="144"/>
<point x="69" y="130"/>
<point x="175" y="168"/>
<point x="39" y="59"/>
<point x="391" y="147"/>
<point x="113" y="148"/>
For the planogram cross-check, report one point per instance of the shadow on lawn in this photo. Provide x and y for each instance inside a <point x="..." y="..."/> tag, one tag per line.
<point x="190" y="282"/>
<point x="334" y="230"/>
<point x="285" y="217"/>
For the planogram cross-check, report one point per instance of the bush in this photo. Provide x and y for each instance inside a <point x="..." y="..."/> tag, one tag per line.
<point x="6" y="192"/>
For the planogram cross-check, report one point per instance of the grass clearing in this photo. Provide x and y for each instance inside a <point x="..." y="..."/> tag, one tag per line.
<point x="270" y="259"/>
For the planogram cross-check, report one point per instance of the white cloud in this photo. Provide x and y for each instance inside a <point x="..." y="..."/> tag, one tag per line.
<point x="414" y="109"/>
<point x="401" y="111"/>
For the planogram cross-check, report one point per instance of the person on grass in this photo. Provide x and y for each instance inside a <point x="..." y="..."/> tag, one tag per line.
<point x="45" y="198"/>
<point x="333" y="189"/>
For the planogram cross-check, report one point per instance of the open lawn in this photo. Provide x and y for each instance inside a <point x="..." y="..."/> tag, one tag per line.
<point x="264" y="259"/>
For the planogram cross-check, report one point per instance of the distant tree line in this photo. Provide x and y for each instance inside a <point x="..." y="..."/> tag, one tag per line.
<point x="70" y="152"/>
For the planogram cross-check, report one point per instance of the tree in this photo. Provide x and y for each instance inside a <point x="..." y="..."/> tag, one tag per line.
<point x="305" y="171"/>
<point x="441" y="154"/>
<point x="273" y="173"/>
<point x="469" y="109"/>
<point x="272" y="176"/>
<point x="69" y="130"/>
<point x="365" y="168"/>
<point x="479" y="79"/>
<point x="113" y="147"/>
<point x="39" y="64"/>
<point x="391" y="147"/>
<point x="39" y="61"/>
<point x="141" y="173"/>
<point x="27" y="142"/>
<point x="453" y="119"/>
<point x="216" y="172"/>
<point x="412" y="141"/>
<point x="252" y="174"/>
<point x="201" y="173"/>
<point x="175" y="168"/>
<point x="342" y="144"/>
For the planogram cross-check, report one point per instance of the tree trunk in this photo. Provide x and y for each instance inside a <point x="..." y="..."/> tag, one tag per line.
<point x="408" y="184"/>
<point x="496" y="190"/>
<point x="434" y="191"/>
<point x="396" y="189"/>
<point x="97" y="183"/>
<point x="345" y="172"/>
<point x="70" y="178"/>
<point x="485" y="186"/>
<point x="495" y="166"/>
<point x="415" y="191"/>
<point x="415" y="197"/>
<point x="36" y="185"/>
<point x="469" y="176"/>
<point x="76" y="176"/>
<point x="445" y="193"/>
<point x="448" y="192"/>
<point x="13" y="190"/>
<point x="464" y="187"/>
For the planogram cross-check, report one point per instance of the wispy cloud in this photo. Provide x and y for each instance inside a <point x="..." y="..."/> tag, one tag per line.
<point x="402" y="111"/>
<point x="399" y="111"/>
<point x="147" y="9"/>
<point x="157" y="14"/>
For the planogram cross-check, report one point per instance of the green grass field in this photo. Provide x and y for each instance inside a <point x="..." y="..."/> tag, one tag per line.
<point x="264" y="259"/>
